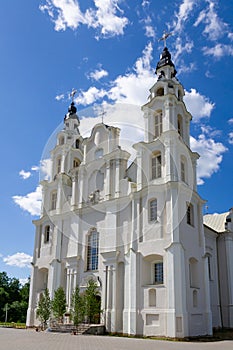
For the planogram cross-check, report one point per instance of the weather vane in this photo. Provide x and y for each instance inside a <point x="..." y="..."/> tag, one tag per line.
<point x="164" y="37"/>
<point x="73" y="92"/>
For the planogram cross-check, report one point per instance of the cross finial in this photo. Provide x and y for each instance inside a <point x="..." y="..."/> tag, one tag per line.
<point x="73" y="92"/>
<point x="164" y="37"/>
<point x="102" y="116"/>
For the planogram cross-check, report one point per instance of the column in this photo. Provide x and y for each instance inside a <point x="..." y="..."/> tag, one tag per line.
<point x="108" y="180"/>
<point x="114" y="291"/>
<point x="63" y="158"/>
<point x="117" y="178"/>
<point x="31" y="317"/>
<point x="74" y="198"/>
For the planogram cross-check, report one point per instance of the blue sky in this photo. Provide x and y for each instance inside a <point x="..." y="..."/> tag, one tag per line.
<point x="108" y="51"/>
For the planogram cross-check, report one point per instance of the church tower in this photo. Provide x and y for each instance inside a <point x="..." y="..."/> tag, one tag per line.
<point x="172" y="240"/>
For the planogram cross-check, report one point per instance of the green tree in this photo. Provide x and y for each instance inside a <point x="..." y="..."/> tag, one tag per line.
<point x="92" y="302"/>
<point x="59" y="304"/>
<point x="77" y="311"/>
<point x="15" y="296"/>
<point x="43" y="311"/>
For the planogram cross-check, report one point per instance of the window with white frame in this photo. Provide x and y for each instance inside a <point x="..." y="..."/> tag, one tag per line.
<point x="156" y="165"/>
<point x="158" y="272"/>
<point x="153" y="210"/>
<point x="93" y="250"/>
<point x="46" y="234"/>
<point x="158" y="124"/>
<point x="189" y="214"/>
<point x="53" y="200"/>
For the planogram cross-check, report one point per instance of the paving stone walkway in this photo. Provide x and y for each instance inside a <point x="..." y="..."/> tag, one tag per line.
<point x="17" y="339"/>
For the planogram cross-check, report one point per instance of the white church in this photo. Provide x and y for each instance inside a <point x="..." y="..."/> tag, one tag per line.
<point x="137" y="230"/>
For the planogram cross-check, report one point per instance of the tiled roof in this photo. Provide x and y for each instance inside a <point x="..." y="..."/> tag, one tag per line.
<point x="216" y="221"/>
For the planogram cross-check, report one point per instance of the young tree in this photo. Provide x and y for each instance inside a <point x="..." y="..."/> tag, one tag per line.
<point x="44" y="308"/>
<point x="92" y="301"/>
<point x="77" y="311"/>
<point x="59" y="304"/>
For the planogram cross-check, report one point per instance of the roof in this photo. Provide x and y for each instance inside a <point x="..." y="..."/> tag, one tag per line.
<point x="216" y="221"/>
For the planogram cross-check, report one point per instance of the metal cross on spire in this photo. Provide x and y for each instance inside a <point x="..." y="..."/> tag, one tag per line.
<point x="164" y="37"/>
<point x="73" y="92"/>
<point x="102" y="116"/>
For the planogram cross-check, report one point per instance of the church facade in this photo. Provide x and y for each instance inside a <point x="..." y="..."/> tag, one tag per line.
<point x="136" y="230"/>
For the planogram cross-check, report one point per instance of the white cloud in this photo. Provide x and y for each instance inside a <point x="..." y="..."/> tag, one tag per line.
<point x="31" y="202"/>
<point x="181" y="48"/>
<point x="215" y="28"/>
<point x="211" y="154"/>
<point x="67" y="14"/>
<point x="185" y="9"/>
<point x="18" y="259"/>
<point x="218" y="51"/>
<point x="230" y="121"/>
<point x="150" y="33"/>
<point x="25" y="174"/>
<point x="35" y="168"/>
<point x="90" y="96"/>
<point x="98" y="74"/>
<point x="145" y="3"/>
<point x="198" y="105"/>
<point x="230" y="138"/>
<point x="23" y="281"/>
<point x="45" y="169"/>
<point x="60" y="97"/>
<point x="131" y="88"/>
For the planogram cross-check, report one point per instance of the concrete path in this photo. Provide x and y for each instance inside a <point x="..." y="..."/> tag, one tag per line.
<point x="17" y="339"/>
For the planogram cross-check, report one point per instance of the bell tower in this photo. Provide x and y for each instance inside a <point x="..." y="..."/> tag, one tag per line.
<point x="166" y="181"/>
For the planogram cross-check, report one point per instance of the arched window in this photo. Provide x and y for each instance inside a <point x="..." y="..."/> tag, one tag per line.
<point x="193" y="273"/>
<point x="77" y="143"/>
<point x="76" y="163"/>
<point x="180" y="125"/>
<point x="53" y="200"/>
<point x="156" y="165"/>
<point x="160" y="92"/>
<point x="58" y="165"/>
<point x="152" y="297"/>
<point x="93" y="250"/>
<point x="46" y="234"/>
<point x="153" y="210"/>
<point x="158" y="124"/>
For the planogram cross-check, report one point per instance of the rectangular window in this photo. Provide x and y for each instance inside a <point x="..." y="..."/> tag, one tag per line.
<point x="158" y="273"/>
<point x="189" y="214"/>
<point x="46" y="234"/>
<point x="153" y="210"/>
<point x="93" y="251"/>
<point x="158" y="125"/>
<point x="156" y="166"/>
<point x="53" y="200"/>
